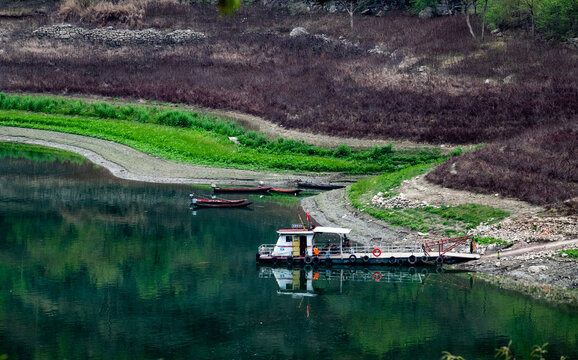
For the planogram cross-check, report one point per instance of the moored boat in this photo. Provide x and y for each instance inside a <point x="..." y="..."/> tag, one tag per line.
<point x="300" y="245"/>
<point x="260" y="189"/>
<point x="220" y="205"/>
<point x="320" y="186"/>
<point x="285" y="191"/>
<point x="196" y="199"/>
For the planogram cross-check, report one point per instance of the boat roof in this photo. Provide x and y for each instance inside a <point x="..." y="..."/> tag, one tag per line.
<point x="298" y="230"/>
<point x="331" y="230"/>
<point x="316" y="230"/>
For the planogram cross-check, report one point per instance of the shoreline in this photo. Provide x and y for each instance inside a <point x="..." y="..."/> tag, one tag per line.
<point x="531" y="270"/>
<point x="129" y="164"/>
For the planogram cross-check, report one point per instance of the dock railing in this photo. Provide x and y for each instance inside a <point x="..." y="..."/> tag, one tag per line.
<point x="333" y="251"/>
<point x="379" y="250"/>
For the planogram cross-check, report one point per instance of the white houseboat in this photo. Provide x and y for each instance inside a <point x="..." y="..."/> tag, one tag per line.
<point x="301" y="245"/>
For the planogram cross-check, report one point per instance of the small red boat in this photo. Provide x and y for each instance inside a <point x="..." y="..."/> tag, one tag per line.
<point x="286" y="191"/>
<point x="196" y="199"/>
<point x="313" y="185"/>
<point x="220" y="205"/>
<point x="260" y="189"/>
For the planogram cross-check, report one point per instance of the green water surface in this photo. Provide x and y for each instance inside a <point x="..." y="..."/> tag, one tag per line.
<point x="92" y="267"/>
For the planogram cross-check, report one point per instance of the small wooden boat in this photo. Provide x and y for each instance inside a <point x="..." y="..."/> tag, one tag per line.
<point x="260" y="189"/>
<point x="321" y="186"/>
<point x="286" y="191"/>
<point x="221" y="205"/>
<point x="198" y="199"/>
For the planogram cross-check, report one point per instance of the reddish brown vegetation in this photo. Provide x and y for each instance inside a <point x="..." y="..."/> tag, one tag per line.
<point x="539" y="166"/>
<point x="249" y="63"/>
<point x="427" y="85"/>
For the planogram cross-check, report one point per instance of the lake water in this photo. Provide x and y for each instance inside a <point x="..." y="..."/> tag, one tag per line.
<point x="92" y="267"/>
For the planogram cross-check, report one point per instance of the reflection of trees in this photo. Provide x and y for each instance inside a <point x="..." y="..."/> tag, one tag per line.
<point x="115" y="266"/>
<point x="105" y="224"/>
<point x="91" y="266"/>
<point x="15" y="151"/>
<point x="415" y="321"/>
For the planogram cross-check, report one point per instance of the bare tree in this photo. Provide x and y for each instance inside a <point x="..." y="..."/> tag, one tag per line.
<point x="467" y="5"/>
<point x="352" y="7"/>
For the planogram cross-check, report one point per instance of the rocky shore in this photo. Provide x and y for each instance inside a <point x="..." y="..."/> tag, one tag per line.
<point x="533" y="265"/>
<point x="117" y="37"/>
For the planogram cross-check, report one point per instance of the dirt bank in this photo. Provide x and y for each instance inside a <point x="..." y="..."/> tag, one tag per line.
<point x="532" y="265"/>
<point x="271" y="130"/>
<point x="419" y="189"/>
<point x="274" y="131"/>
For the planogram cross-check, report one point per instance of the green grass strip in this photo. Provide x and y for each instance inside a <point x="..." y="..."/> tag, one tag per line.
<point x="487" y="240"/>
<point x="368" y="161"/>
<point x="183" y="145"/>
<point x="451" y="220"/>
<point x="471" y="214"/>
<point x="364" y="190"/>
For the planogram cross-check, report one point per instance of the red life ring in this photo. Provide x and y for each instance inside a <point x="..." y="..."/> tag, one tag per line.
<point x="376" y="252"/>
<point x="376" y="276"/>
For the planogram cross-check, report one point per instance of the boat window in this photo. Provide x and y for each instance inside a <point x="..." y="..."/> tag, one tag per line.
<point x="289" y="238"/>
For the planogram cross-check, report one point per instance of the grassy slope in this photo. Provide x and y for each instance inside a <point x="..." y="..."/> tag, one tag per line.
<point x="450" y="220"/>
<point x="194" y="138"/>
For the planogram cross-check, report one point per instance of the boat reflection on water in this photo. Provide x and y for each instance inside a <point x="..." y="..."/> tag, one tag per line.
<point x="307" y="281"/>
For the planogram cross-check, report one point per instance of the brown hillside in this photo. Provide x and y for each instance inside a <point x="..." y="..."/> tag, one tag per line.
<point x="392" y="77"/>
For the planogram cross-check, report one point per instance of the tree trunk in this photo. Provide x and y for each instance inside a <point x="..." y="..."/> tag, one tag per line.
<point x="531" y="5"/>
<point x="350" y="11"/>
<point x="467" y="10"/>
<point x="484" y="20"/>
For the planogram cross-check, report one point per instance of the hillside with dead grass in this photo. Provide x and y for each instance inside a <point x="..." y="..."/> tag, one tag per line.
<point x="390" y="78"/>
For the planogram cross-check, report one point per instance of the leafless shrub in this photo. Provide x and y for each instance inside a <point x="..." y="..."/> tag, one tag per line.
<point x="72" y="10"/>
<point x="540" y="166"/>
<point x="323" y="84"/>
<point x="128" y="13"/>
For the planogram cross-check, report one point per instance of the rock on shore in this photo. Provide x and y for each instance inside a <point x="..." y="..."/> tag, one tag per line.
<point x="111" y="36"/>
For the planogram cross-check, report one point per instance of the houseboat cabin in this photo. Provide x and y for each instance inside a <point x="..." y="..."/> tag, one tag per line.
<point x="299" y="245"/>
